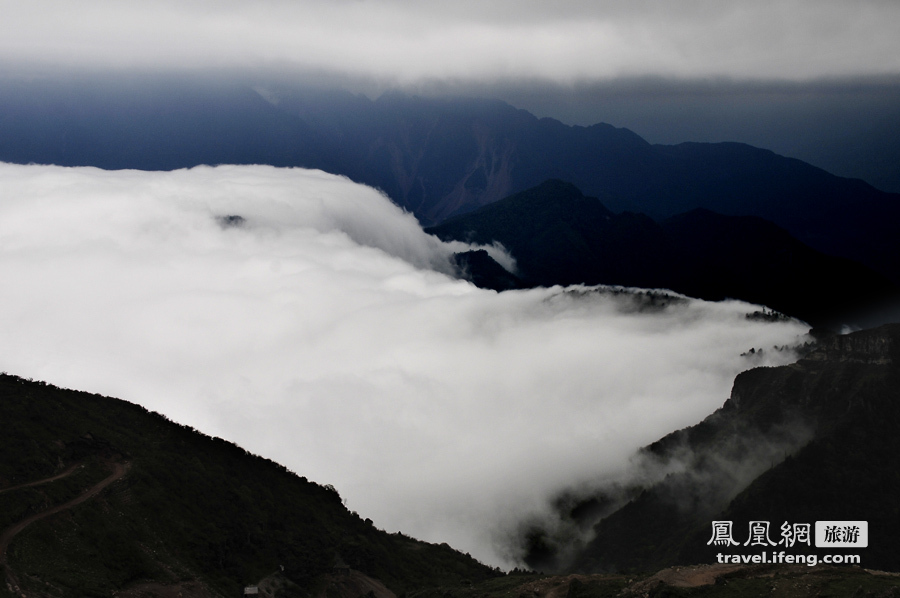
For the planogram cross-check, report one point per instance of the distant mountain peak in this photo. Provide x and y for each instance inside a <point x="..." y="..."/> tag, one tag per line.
<point x="553" y="195"/>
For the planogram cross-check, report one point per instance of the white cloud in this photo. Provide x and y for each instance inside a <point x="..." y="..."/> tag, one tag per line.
<point x="323" y="334"/>
<point x="411" y="41"/>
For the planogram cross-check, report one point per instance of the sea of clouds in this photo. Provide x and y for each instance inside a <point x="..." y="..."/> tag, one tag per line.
<point x="325" y="330"/>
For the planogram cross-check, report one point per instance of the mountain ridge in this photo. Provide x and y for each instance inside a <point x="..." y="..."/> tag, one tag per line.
<point x="437" y="157"/>
<point x="560" y="236"/>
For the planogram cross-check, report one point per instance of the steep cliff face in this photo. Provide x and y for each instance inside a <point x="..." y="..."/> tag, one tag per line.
<point x="822" y="437"/>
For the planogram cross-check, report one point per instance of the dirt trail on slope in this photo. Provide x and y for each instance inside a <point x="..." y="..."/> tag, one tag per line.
<point x="58" y="476"/>
<point x="119" y="470"/>
<point x="695" y="575"/>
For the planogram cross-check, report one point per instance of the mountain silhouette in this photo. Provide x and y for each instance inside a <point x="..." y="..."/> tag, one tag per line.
<point x="560" y="236"/>
<point x="436" y="157"/>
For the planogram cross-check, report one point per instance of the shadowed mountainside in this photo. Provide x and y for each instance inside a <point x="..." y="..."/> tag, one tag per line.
<point x="559" y="236"/>
<point x="812" y="441"/>
<point x="190" y="508"/>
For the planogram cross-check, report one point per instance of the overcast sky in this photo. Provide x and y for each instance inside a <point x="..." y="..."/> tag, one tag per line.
<point x="404" y="41"/>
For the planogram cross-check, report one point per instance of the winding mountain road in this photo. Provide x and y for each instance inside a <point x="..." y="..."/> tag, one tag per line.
<point x="58" y="476"/>
<point x="119" y="471"/>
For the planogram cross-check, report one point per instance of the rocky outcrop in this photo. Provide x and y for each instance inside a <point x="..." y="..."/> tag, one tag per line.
<point x="875" y="346"/>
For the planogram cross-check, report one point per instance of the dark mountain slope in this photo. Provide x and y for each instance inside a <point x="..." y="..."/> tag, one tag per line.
<point x="189" y="509"/>
<point x="751" y="259"/>
<point x="158" y="124"/>
<point x="439" y="157"/>
<point x="559" y="236"/>
<point x="844" y="398"/>
<point x="436" y="157"/>
<point x="843" y="217"/>
<point x="480" y="268"/>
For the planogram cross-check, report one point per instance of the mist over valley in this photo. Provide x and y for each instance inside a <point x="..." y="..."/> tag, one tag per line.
<point x="326" y="331"/>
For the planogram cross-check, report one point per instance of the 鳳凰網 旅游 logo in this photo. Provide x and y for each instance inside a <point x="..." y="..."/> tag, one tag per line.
<point x="827" y="534"/>
<point x="780" y="539"/>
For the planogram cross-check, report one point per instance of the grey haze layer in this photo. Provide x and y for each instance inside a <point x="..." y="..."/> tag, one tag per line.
<point x="403" y="41"/>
